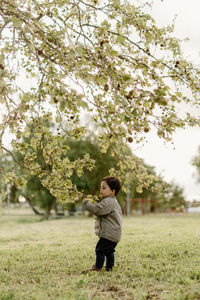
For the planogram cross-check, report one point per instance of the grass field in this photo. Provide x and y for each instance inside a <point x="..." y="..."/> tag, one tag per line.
<point x="157" y="258"/>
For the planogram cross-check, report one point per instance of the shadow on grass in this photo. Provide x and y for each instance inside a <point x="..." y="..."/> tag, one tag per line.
<point x="29" y="220"/>
<point x="19" y="219"/>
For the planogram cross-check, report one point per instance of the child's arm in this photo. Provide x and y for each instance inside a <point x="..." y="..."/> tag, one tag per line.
<point x="102" y="208"/>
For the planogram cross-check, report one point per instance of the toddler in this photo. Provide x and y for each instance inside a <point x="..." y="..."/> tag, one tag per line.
<point x="108" y="223"/>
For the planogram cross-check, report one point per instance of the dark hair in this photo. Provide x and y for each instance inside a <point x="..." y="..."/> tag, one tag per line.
<point x="113" y="183"/>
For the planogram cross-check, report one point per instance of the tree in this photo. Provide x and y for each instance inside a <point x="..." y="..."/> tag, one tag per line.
<point x="153" y="193"/>
<point x="36" y="194"/>
<point x="89" y="181"/>
<point x="170" y="197"/>
<point x="105" y="57"/>
<point x="176" y="199"/>
<point x="7" y="165"/>
<point x="196" y="164"/>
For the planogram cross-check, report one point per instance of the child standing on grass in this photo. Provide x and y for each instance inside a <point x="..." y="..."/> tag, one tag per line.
<point x="108" y="224"/>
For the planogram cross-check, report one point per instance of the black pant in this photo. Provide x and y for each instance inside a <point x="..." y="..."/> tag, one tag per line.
<point x="105" y="248"/>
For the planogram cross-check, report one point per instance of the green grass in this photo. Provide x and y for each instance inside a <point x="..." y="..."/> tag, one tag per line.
<point x="157" y="258"/>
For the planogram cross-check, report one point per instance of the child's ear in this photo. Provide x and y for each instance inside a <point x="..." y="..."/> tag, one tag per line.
<point x="113" y="192"/>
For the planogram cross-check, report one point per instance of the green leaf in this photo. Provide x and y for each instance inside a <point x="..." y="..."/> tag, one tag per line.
<point x="120" y="39"/>
<point x="62" y="105"/>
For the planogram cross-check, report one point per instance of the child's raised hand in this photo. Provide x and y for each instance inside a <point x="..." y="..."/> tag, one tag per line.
<point x="92" y="198"/>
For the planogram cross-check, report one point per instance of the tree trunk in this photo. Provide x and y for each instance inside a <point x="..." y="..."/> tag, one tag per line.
<point x="47" y="212"/>
<point x="31" y="206"/>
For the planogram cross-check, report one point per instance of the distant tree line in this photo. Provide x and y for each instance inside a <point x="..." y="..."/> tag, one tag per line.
<point x="40" y="199"/>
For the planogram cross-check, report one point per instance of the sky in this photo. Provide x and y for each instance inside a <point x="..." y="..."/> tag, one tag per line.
<point x="173" y="161"/>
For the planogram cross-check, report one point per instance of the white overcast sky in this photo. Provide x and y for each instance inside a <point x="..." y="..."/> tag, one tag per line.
<point x="175" y="164"/>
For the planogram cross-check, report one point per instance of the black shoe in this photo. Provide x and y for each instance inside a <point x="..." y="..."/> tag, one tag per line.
<point x="94" y="268"/>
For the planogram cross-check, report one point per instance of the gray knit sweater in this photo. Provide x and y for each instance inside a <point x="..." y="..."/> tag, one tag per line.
<point x="108" y="223"/>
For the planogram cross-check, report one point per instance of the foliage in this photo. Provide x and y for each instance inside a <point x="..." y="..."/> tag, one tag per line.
<point x="149" y="259"/>
<point x="196" y="164"/>
<point x="33" y="191"/>
<point x="153" y="189"/>
<point x="36" y="194"/>
<point x="45" y="156"/>
<point x="176" y="197"/>
<point x="89" y="181"/>
<point x="108" y="59"/>
<point x="7" y="166"/>
<point x="170" y="196"/>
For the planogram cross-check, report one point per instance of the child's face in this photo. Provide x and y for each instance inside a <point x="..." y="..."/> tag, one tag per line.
<point x="105" y="190"/>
